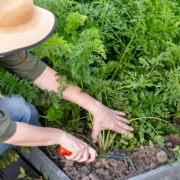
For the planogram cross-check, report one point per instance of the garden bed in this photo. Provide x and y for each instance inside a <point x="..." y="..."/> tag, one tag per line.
<point x="144" y="159"/>
<point x="38" y="160"/>
<point x="149" y="163"/>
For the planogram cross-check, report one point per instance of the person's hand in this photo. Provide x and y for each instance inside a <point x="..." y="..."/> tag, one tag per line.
<point x="81" y="152"/>
<point x="105" y="118"/>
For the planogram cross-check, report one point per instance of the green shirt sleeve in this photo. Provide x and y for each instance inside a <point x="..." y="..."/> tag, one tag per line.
<point x="7" y="127"/>
<point x="30" y="67"/>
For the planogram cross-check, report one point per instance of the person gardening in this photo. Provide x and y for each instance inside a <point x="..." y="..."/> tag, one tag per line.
<point x="22" y="26"/>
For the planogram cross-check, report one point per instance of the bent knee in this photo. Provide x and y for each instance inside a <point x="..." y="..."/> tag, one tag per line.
<point x="16" y="107"/>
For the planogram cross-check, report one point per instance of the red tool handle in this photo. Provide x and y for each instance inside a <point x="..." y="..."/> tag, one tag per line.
<point x="64" y="152"/>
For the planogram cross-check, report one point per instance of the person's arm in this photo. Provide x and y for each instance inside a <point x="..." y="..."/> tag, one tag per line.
<point x="45" y="78"/>
<point x="29" y="135"/>
<point x="103" y="117"/>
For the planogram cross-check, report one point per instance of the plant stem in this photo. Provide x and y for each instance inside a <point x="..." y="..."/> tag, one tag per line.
<point x="116" y="70"/>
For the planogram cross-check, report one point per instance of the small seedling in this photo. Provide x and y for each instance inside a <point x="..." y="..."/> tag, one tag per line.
<point x="24" y="176"/>
<point x="176" y="149"/>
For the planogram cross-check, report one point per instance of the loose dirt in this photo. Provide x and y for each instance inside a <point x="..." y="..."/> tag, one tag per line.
<point x="143" y="158"/>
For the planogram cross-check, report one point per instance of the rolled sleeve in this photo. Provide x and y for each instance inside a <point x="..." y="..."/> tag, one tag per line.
<point x="30" y="67"/>
<point x="7" y="127"/>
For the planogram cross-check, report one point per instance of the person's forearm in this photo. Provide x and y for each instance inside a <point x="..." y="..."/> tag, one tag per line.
<point x="48" y="81"/>
<point x="28" y="135"/>
<point x="103" y="117"/>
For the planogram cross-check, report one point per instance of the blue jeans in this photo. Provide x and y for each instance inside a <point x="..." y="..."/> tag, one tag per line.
<point x="18" y="110"/>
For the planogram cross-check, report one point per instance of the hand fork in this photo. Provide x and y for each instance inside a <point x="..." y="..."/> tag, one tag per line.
<point x="126" y="159"/>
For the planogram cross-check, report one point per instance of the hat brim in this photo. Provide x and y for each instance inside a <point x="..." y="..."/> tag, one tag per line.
<point x="29" y="34"/>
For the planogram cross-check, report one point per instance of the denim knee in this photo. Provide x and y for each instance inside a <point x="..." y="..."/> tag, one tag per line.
<point x="34" y="118"/>
<point x="19" y="110"/>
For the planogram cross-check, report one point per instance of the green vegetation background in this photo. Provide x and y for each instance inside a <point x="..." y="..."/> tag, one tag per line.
<point x="125" y="53"/>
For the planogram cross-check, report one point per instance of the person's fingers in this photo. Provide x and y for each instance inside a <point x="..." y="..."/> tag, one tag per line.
<point x="122" y="125"/>
<point x="91" y="156"/>
<point x="120" y="118"/>
<point x="87" y="155"/>
<point x="75" y="156"/>
<point x="94" y="135"/>
<point x="118" y="126"/>
<point x="120" y="113"/>
<point x="80" y="158"/>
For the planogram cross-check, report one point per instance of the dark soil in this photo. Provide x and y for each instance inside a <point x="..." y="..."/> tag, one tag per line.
<point x="143" y="158"/>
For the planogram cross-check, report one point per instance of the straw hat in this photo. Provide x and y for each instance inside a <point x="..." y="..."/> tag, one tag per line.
<point x="23" y="25"/>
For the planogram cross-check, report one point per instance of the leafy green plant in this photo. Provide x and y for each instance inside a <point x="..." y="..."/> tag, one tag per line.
<point x="24" y="176"/>
<point x="128" y="59"/>
<point x="8" y="157"/>
<point x="105" y="141"/>
<point x="126" y="141"/>
<point x="176" y="149"/>
<point x="124" y="53"/>
<point x="11" y="84"/>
